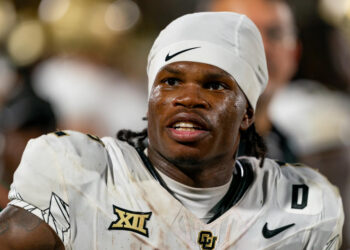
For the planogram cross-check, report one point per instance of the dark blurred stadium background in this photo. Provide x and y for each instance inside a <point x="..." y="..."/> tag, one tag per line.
<point x="120" y="32"/>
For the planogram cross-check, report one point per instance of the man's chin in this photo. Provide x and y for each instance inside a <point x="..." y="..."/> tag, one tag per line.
<point x="185" y="160"/>
<point x="181" y="154"/>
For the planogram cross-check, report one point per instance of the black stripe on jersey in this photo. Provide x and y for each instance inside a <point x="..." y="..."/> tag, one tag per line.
<point x="153" y="172"/>
<point x="239" y="185"/>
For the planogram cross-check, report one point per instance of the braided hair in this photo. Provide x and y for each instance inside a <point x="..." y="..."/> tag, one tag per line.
<point x="252" y="144"/>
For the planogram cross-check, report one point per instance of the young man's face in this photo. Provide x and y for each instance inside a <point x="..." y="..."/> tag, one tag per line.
<point x="195" y="114"/>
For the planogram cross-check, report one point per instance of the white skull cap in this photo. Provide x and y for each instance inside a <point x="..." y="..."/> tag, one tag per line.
<point x="227" y="40"/>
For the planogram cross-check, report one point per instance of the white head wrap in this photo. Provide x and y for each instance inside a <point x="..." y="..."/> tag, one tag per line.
<point x="226" y="40"/>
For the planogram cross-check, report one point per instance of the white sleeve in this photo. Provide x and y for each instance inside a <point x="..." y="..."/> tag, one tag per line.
<point x="52" y="167"/>
<point x="39" y="184"/>
<point x="326" y="232"/>
<point x="327" y="236"/>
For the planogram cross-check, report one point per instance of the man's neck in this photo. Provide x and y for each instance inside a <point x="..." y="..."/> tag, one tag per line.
<point x="213" y="173"/>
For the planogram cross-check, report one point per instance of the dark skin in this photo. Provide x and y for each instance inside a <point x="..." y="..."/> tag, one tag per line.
<point x="20" y="229"/>
<point x="195" y="93"/>
<point x="208" y="97"/>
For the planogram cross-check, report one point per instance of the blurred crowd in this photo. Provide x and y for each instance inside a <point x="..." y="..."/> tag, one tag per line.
<point x="73" y="64"/>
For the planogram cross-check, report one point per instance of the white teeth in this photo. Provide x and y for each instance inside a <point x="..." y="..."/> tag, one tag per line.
<point x="183" y="125"/>
<point x="185" y="129"/>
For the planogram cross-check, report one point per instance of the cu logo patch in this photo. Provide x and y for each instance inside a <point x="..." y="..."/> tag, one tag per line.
<point x="131" y="221"/>
<point x="206" y="240"/>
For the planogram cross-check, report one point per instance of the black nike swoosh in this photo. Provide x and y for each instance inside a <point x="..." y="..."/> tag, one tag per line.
<point x="168" y="57"/>
<point x="270" y="233"/>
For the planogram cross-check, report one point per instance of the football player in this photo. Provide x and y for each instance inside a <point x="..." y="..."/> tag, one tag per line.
<point x="179" y="184"/>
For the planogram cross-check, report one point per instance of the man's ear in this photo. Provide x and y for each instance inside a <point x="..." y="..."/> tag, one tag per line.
<point x="248" y="118"/>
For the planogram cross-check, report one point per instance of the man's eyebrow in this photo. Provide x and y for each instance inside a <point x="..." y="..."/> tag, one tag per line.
<point x="216" y="75"/>
<point x="173" y="70"/>
<point x="207" y="74"/>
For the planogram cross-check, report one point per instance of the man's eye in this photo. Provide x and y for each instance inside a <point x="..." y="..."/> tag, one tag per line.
<point x="215" y="86"/>
<point x="171" y="81"/>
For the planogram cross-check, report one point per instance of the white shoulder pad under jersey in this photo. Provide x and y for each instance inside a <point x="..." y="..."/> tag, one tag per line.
<point x="300" y="208"/>
<point x="52" y="164"/>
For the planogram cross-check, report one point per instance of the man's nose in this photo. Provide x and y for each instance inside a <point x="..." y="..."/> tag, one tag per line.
<point x="191" y="96"/>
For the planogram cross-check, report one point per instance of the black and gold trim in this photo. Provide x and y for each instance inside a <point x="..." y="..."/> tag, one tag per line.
<point x="60" y="133"/>
<point x="207" y="240"/>
<point x="96" y="138"/>
<point x="130" y="221"/>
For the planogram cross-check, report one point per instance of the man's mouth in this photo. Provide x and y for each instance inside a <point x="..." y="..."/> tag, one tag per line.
<point x="186" y="126"/>
<point x="187" y="129"/>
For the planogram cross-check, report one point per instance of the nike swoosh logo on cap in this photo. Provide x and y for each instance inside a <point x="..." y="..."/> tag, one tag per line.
<point x="267" y="233"/>
<point x="168" y="56"/>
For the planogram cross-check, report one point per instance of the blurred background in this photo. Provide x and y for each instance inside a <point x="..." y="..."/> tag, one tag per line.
<point x="81" y="64"/>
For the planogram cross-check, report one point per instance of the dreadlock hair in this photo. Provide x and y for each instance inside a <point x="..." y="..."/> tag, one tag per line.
<point x="253" y="143"/>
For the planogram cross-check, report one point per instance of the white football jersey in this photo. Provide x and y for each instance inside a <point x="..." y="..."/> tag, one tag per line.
<point x="98" y="194"/>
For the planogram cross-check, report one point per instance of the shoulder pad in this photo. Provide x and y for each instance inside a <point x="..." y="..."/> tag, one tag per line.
<point x="311" y="192"/>
<point x="86" y="150"/>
